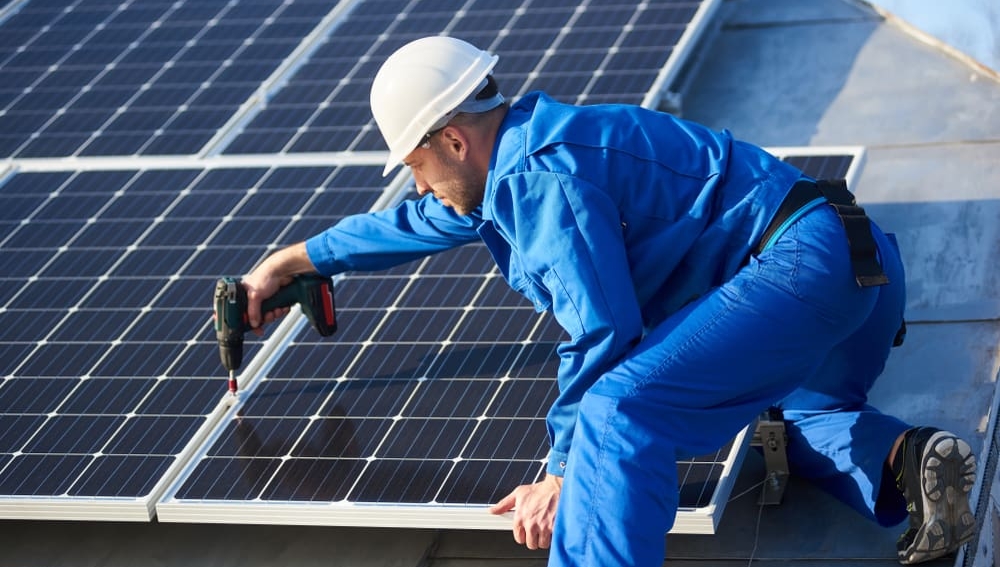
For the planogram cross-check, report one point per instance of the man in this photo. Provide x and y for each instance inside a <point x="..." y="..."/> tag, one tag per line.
<point x="701" y="281"/>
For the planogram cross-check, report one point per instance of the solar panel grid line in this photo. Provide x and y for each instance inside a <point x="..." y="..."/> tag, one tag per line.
<point x="609" y="52"/>
<point x="533" y="74"/>
<point x="10" y="8"/>
<point x="55" y="257"/>
<point x="249" y="109"/>
<point x="346" y="80"/>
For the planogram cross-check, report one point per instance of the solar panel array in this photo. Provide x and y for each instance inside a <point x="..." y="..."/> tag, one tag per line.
<point x="109" y="361"/>
<point x="147" y="77"/>
<point x="577" y="51"/>
<point x="426" y="406"/>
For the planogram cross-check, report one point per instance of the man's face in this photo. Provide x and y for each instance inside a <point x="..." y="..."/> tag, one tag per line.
<point x="438" y="170"/>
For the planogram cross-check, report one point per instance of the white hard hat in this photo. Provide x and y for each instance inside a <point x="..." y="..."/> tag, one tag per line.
<point x="423" y="85"/>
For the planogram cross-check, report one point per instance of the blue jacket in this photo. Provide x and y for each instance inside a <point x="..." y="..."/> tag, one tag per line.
<point x="612" y="217"/>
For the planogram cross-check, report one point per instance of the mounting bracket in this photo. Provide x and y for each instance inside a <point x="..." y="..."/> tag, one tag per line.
<point x="771" y="437"/>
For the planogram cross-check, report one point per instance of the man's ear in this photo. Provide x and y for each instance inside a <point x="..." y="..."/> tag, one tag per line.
<point x="456" y="142"/>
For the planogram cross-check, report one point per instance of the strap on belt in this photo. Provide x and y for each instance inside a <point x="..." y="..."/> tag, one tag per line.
<point x="857" y="226"/>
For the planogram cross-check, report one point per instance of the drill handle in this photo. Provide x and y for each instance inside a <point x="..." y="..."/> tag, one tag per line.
<point x="314" y="294"/>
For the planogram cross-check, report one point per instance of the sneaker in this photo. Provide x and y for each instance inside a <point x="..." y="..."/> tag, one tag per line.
<point x="938" y="471"/>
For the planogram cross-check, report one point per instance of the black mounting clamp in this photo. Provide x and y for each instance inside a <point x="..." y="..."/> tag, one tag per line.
<point x="772" y="439"/>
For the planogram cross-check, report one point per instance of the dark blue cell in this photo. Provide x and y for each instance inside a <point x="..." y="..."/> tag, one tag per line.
<point x="77" y="434"/>
<point x="59" y="359"/>
<point x="154" y="435"/>
<point x="138" y="359"/>
<point x="185" y="396"/>
<point x="106" y="396"/>
<point x="401" y="481"/>
<point x="15" y="430"/>
<point x="121" y="476"/>
<point x="277" y="398"/>
<point x="34" y="395"/>
<point x="485" y="482"/>
<point x="427" y="438"/>
<point x="258" y="437"/>
<point x="83" y="325"/>
<point x="112" y="144"/>
<point x="81" y="262"/>
<point x="42" y="475"/>
<point x="228" y="479"/>
<point x="342" y="437"/>
<point x="313" y="480"/>
<point x="522" y="439"/>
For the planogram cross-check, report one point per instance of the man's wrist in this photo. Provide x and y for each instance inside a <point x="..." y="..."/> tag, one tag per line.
<point x="289" y="261"/>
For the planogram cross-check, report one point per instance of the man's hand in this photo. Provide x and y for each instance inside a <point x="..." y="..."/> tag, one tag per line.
<point x="260" y="285"/>
<point x="534" y="508"/>
<point x="274" y="272"/>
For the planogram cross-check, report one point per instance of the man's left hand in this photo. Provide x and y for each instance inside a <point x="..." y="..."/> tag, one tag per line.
<point x="534" y="508"/>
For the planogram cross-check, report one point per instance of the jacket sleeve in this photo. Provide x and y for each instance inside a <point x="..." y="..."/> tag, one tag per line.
<point x="571" y="242"/>
<point x="382" y="239"/>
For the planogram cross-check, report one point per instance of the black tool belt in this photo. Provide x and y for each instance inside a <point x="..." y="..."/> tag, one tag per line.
<point x="864" y="254"/>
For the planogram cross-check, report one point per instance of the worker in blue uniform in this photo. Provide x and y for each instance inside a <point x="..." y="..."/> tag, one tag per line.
<point x="701" y="281"/>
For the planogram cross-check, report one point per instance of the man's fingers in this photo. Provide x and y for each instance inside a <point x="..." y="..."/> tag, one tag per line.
<point x="545" y="540"/>
<point x="533" y="507"/>
<point x="519" y="535"/>
<point x="531" y="538"/>
<point x="504" y="505"/>
<point x="536" y="536"/>
<point x="253" y="312"/>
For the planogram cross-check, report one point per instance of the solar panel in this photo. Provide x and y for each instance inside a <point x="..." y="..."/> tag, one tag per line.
<point x="109" y="367"/>
<point x="95" y="77"/>
<point x="428" y="407"/>
<point x="578" y="51"/>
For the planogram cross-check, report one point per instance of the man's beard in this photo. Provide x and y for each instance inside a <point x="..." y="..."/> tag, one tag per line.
<point x="465" y="188"/>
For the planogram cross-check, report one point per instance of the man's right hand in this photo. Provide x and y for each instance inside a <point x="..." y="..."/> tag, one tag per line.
<point x="271" y="275"/>
<point x="260" y="286"/>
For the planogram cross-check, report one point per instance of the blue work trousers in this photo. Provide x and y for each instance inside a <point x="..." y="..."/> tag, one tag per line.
<point x="791" y="329"/>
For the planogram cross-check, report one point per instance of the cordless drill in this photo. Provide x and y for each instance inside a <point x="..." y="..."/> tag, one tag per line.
<point x="314" y="293"/>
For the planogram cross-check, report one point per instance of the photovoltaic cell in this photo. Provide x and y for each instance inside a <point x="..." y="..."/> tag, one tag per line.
<point x="110" y="366"/>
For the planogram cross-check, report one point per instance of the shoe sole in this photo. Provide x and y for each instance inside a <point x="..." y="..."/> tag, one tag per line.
<point x="949" y="472"/>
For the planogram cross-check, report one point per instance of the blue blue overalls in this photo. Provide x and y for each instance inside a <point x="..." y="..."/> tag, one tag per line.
<point x="635" y="229"/>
